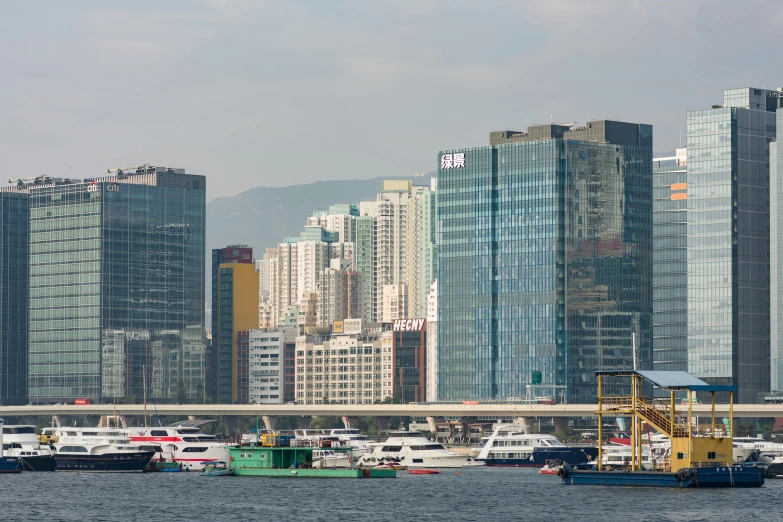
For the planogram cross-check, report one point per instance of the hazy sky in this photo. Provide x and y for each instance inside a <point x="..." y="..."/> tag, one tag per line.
<point x="253" y="92"/>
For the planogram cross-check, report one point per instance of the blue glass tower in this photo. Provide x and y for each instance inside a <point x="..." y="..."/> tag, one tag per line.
<point x="670" y="263"/>
<point x="117" y="268"/>
<point x="729" y="240"/>
<point x="544" y="262"/>
<point x="14" y="272"/>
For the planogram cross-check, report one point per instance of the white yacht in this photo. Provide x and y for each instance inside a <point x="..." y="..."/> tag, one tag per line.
<point x="511" y="445"/>
<point x="619" y="455"/>
<point x="353" y="438"/>
<point x="411" y="449"/>
<point x="325" y="458"/>
<point x="21" y="441"/>
<point x="186" y="445"/>
<point x="97" y="449"/>
<point x="767" y="451"/>
<point x="311" y="436"/>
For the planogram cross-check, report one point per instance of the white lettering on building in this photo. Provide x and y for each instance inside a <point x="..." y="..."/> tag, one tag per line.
<point x="452" y="161"/>
<point x="408" y="325"/>
<point x="109" y="188"/>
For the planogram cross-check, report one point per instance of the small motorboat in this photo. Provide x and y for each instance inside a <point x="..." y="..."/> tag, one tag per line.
<point x="472" y="461"/>
<point x="551" y="467"/>
<point x="216" y="468"/>
<point x="423" y="471"/>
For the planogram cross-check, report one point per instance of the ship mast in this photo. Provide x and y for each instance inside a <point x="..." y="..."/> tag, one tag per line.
<point x="144" y="371"/>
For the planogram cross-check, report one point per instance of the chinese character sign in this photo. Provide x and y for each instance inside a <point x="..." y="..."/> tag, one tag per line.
<point x="452" y="161"/>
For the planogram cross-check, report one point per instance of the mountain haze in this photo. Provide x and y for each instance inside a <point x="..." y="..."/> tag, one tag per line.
<point x="263" y="216"/>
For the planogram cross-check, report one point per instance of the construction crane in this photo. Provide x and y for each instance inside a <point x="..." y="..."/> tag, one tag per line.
<point x="141" y="169"/>
<point x="37" y="180"/>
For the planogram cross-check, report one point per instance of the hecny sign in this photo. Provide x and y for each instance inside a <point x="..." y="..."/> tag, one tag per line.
<point x="409" y="325"/>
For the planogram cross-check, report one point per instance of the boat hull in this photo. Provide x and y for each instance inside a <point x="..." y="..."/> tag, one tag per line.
<point x="10" y="465"/>
<point x="717" y="477"/>
<point x="775" y="470"/>
<point x="38" y="463"/>
<point x="414" y="461"/>
<point x="109" y="462"/>
<point x="218" y="473"/>
<point x="316" y="473"/>
<point x="538" y="459"/>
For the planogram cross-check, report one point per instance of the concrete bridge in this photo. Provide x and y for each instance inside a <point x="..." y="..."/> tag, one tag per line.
<point x="383" y="410"/>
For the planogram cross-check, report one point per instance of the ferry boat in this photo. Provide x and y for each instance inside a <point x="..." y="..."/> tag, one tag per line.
<point x="511" y="445"/>
<point x="21" y="442"/>
<point x="184" y="445"/>
<point x="412" y="449"/>
<point x="97" y="449"/>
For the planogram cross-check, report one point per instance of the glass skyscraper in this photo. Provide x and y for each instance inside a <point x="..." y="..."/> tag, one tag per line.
<point x="670" y="263"/>
<point x="117" y="286"/>
<point x="14" y="227"/>
<point x="544" y="260"/>
<point x="728" y="241"/>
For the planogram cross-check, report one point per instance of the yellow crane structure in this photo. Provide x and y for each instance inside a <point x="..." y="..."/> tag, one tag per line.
<point x="692" y="446"/>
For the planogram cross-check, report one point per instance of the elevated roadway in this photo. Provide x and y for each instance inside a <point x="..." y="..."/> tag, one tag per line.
<point x="383" y="410"/>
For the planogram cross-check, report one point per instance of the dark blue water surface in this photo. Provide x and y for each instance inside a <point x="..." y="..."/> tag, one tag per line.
<point x="496" y="494"/>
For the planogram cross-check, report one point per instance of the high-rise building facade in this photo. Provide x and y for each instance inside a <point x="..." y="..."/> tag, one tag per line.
<point x="432" y="342"/>
<point x="544" y="260"/>
<point x="395" y="303"/>
<point x="409" y="353"/>
<point x="117" y="286"/>
<point x="728" y="240"/>
<point x="776" y="257"/>
<point x="338" y="293"/>
<point x="14" y="291"/>
<point x="234" y="310"/>
<point x="344" y="369"/>
<point x="265" y="366"/>
<point x="670" y="263"/>
<point x="365" y="260"/>
<point x="422" y="252"/>
<point x="391" y="212"/>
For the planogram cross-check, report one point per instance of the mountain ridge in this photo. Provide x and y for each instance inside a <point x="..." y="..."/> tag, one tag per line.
<point x="261" y="217"/>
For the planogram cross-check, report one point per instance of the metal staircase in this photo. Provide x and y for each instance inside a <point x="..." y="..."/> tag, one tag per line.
<point x="659" y="416"/>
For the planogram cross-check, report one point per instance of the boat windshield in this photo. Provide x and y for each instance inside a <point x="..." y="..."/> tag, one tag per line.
<point x="18" y="429"/>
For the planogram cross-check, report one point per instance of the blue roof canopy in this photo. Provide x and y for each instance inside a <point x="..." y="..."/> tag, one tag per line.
<point x="671" y="380"/>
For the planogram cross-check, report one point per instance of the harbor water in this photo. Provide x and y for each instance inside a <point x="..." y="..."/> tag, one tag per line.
<point x="466" y="494"/>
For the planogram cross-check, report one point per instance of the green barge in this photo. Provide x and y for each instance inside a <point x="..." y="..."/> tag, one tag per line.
<point x="265" y="461"/>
